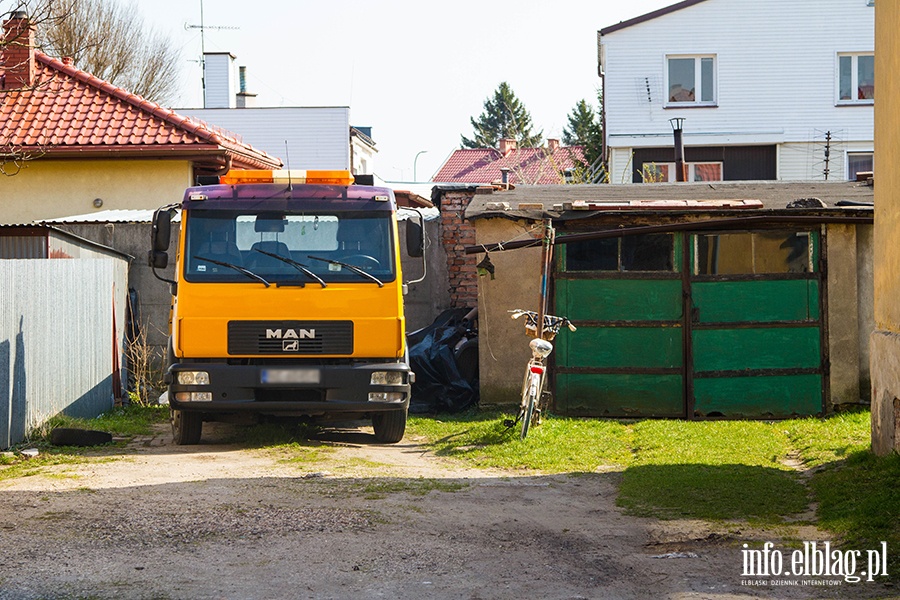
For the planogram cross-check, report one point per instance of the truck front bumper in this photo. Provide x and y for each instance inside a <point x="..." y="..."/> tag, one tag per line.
<point x="289" y="389"/>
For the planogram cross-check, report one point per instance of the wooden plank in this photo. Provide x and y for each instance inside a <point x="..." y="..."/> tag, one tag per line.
<point x="747" y="349"/>
<point x="624" y="347"/>
<point x="776" y="397"/>
<point x="638" y="395"/>
<point x="620" y="299"/>
<point x="756" y="301"/>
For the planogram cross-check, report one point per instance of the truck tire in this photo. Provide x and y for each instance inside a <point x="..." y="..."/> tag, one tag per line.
<point x="186" y="427"/>
<point x="389" y="426"/>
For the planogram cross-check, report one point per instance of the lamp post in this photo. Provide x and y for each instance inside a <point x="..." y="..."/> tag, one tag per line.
<point x="415" y="177"/>
<point x="677" y="124"/>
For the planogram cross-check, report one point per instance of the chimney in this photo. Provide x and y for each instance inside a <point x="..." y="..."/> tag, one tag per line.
<point x="17" y="55"/>
<point x="218" y="80"/>
<point x="507" y="145"/>
<point x="552" y="145"/>
<point x="245" y="99"/>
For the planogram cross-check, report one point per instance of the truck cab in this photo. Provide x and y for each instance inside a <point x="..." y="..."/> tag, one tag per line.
<point x="287" y="300"/>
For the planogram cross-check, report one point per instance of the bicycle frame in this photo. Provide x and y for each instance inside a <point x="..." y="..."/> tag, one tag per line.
<point x="535" y="373"/>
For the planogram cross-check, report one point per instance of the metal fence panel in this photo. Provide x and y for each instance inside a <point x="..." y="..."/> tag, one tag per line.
<point x="61" y="342"/>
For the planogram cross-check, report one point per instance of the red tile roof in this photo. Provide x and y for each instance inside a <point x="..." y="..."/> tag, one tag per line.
<point x="72" y="113"/>
<point x="528" y="166"/>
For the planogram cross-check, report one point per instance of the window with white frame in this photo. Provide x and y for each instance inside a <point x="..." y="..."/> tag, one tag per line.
<point x="665" y="172"/>
<point x="856" y="78"/>
<point x="859" y="162"/>
<point x="691" y="80"/>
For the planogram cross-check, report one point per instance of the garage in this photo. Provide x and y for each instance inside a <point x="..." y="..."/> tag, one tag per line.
<point x="693" y="324"/>
<point x="739" y="300"/>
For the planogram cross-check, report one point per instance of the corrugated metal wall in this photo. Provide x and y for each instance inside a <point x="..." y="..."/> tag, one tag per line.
<point x="61" y="340"/>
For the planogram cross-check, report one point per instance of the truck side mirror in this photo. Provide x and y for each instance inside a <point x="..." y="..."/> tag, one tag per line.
<point x="158" y="259"/>
<point x="415" y="238"/>
<point x="162" y="230"/>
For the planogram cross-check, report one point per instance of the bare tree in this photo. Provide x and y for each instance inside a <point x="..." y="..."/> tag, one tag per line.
<point x="108" y="39"/>
<point x="14" y="158"/>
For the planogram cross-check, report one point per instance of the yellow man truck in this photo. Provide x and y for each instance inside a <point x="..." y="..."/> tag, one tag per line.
<point x="287" y="301"/>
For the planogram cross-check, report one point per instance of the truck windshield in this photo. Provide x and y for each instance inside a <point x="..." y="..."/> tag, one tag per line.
<point x="248" y="240"/>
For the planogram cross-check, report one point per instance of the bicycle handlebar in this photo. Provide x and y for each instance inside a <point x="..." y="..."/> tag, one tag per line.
<point x="552" y="324"/>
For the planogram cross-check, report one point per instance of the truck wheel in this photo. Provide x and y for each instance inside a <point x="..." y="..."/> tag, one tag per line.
<point x="186" y="427"/>
<point x="389" y="426"/>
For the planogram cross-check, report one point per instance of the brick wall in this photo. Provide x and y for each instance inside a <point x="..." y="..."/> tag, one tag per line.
<point x="17" y="53"/>
<point x="456" y="234"/>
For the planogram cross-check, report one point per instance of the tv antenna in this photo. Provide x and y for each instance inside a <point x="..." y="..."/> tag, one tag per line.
<point x="203" y="27"/>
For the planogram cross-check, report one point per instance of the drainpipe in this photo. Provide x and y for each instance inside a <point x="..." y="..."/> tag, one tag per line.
<point x="680" y="166"/>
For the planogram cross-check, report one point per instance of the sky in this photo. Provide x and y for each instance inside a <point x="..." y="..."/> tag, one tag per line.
<point x="413" y="71"/>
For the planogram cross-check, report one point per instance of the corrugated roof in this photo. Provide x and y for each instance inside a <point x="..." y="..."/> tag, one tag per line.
<point x="112" y="216"/>
<point x="69" y="111"/>
<point x="668" y="197"/>
<point x="531" y="166"/>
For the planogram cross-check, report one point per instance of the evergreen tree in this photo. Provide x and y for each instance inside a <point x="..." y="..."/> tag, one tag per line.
<point x="504" y="116"/>
<point x="584" y="129"/>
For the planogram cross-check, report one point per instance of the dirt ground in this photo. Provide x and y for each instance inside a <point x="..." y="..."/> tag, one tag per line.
<point x="216" y="521"/>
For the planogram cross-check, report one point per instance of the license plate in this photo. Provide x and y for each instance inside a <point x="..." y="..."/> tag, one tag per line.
<point x="290" y="376"/>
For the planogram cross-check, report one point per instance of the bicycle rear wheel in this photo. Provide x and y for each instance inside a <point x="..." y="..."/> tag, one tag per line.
<point x="529" y="400"/>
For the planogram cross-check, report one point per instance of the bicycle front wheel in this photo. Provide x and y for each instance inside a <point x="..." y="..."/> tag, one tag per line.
<point x="529" y="400"/>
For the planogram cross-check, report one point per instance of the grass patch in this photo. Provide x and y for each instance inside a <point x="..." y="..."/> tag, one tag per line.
<point x="822" y="441"/>
<point x="26" y="467"/>
<point x="127" y="421"/>
<point x="860" y="501"/>
<point x="558" y="445"/>
<point x="711" y="470"/>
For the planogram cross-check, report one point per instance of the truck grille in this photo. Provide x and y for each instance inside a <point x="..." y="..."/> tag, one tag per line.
<point x="290" y="337"/>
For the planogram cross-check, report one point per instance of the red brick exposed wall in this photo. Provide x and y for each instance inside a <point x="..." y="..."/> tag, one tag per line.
<point x="456" y="234"/>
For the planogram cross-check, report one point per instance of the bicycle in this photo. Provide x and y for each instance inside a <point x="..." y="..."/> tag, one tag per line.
<point x="533" y="384"/>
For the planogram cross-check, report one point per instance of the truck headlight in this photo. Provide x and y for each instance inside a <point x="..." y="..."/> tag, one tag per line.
<point x="193" y="378"/>
<point x="387" y="378"/>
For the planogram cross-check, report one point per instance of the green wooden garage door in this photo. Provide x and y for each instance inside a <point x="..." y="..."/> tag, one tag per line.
<point x="627" y="357"/>
<point x="756" y="326"/>
<point x="691" y="325"/>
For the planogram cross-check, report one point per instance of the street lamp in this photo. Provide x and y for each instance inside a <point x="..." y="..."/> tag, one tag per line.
<point x="677" y="124"/>
<point x="415" y="178"/>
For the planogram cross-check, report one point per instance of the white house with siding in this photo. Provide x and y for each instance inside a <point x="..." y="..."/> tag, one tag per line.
<point x="304" y="137"/>
<point x="769" y="89"/>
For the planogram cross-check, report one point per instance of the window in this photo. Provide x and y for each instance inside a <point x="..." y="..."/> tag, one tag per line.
<point x="856" y="78"/>
<point x="691" y="80"/>
<point x="652" y="252"/>
<point x="665" y="172"/>
<point x="223" y="245"/>
<point x="752" y="253"/>
<point x="859" y="162"/>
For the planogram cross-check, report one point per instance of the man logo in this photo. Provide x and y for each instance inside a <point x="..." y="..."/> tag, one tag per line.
<point x="290" y="334"/>
<point x="290" y="345"/>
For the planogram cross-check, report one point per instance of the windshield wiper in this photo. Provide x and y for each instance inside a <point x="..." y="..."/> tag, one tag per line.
<point x="299" y="266"/>
<point x="246" y="272"/>
<point x="353" y="268"/>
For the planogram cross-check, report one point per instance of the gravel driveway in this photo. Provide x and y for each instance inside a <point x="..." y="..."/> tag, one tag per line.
<point x="349" y="520"/>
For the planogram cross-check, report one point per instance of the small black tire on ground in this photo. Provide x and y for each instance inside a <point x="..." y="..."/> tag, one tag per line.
<point x="65" y="436"/>
<point x="187" y="427"/>
<point x="389" y="426"/>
